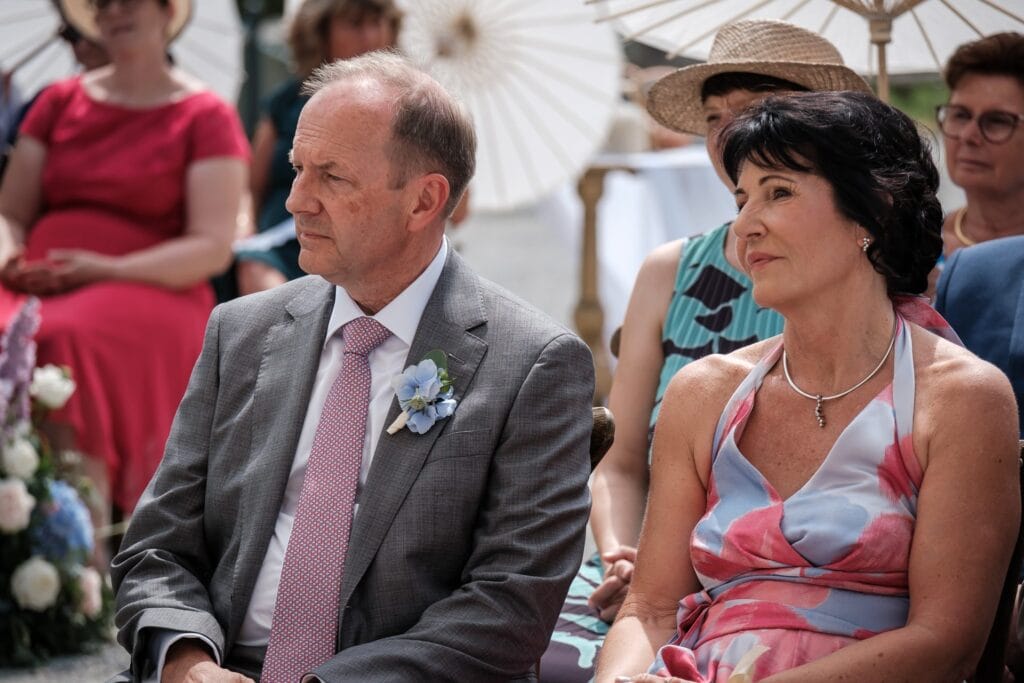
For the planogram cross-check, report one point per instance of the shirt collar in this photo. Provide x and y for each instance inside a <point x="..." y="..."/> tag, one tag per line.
<point x="402" y="315"/>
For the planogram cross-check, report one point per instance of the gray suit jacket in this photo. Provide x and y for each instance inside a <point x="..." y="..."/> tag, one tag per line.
<point x="467" y="536"/>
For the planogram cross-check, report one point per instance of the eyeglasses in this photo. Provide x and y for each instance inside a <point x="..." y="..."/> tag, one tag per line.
<point x="103" y="5"/>
<point x="995" y="126"/>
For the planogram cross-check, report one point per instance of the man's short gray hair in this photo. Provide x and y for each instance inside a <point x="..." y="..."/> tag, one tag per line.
<point x="431" y="132"/>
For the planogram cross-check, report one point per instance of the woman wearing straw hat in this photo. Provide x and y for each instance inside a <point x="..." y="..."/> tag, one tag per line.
<point x="691" y="298"/>
<point x="815" y="498"/>
<point x="119" y="204"/>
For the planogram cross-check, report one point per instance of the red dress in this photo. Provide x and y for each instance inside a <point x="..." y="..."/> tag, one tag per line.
<point x="114" y="183"/>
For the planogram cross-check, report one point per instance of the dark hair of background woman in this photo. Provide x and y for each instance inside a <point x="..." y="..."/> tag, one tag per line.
<point x="1001" y="54"/>
<point x="878" y="165"/>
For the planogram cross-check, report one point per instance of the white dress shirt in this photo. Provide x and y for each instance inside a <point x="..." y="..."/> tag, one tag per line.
<point x="402" y="318"/>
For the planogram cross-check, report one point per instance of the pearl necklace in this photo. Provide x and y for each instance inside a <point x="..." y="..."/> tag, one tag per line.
<point x="819" y="400"/>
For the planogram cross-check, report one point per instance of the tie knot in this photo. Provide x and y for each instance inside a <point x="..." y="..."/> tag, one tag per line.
<point x="363" y="335"/>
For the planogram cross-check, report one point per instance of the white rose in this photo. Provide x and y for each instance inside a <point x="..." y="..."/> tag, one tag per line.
<point x="35" y="584"/>
<point x="22" y="428"/>
<point x="51" y="387"/>
<point x="20" y="459"/>
<point x="89" y="583"/>
<point x="16" y="505"/>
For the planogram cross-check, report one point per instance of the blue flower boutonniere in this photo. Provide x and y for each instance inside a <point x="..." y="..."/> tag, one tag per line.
<point x="424" y="392"/>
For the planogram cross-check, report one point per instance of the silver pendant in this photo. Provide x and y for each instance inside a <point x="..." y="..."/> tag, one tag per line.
<point x="818" y="412"/>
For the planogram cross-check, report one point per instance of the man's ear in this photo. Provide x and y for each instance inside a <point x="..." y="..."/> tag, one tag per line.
<point x="429" y="194"/>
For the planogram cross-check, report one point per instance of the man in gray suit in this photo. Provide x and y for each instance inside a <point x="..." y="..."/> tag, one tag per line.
<point x="465" y="533"/>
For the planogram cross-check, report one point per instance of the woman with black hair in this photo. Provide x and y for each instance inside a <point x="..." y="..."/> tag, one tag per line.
<point x="815" y="515"/>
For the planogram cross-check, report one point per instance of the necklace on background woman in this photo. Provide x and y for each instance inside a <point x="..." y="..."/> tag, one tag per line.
<point x="958" y="227"/>
<point x="819" y="400"/>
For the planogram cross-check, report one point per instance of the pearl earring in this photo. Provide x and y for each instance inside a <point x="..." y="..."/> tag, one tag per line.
<point x="865" y="242"/>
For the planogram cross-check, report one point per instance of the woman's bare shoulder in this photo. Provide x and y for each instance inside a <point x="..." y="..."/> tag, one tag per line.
<point x="717" y="375"/>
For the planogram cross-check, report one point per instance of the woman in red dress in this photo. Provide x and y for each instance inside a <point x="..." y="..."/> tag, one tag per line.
<point x="119" y="204"/>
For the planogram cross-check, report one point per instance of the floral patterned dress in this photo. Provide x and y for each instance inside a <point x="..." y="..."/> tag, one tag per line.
<point x="824" y="568"/>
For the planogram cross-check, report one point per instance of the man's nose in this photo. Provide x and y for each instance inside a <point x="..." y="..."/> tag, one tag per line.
<point x="301" y="199"/>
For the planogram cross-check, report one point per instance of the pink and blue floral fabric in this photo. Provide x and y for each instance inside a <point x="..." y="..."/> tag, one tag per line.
<point x="824" y="568"/>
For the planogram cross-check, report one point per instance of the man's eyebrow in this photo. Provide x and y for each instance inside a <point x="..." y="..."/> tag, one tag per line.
<point x="327" y="166"/>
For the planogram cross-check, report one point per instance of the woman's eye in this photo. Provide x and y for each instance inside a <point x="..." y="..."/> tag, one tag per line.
<point x="780" y="193"/>
<point x="712" y="120"/>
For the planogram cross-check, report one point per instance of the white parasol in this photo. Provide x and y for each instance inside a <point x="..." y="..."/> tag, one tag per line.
<point x="541" y="79"/>
<point x="210" y="47"/>
<point x="874" y="36"/>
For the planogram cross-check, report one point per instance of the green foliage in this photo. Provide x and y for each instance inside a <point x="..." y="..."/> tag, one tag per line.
<point x="919" y="100"/>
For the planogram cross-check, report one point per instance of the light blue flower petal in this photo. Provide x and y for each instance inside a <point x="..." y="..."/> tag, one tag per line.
<point x="419" y="422"/>
<point x="430" y="389"/>
<point x="405" y="392"/>
<point x="447" y="394"/>
<point x="425" y="371"/>
<point x="445" y="408"/>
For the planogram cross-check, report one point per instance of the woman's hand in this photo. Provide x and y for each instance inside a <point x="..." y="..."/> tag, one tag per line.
<point x="36" y="278"/>
<point x="607" y="598"/>
<point x="76" y="267"/>
<point x="64" y="270"/>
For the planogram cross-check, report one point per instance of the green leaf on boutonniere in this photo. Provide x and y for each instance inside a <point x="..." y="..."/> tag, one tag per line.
<point x="440" y="359"/>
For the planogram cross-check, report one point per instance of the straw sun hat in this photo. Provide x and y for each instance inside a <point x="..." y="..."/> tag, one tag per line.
<point x="766" y="47"/>
<point x="82" y="15"/>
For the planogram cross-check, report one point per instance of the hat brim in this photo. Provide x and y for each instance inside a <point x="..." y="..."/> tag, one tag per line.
<point x="674" y="101"/>
<point x="82" y="16"/>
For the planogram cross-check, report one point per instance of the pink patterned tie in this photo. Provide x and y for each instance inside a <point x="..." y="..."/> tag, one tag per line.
<point x="305" y="620"/>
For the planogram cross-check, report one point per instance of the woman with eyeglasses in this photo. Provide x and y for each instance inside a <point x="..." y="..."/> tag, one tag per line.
<point x="119" y="204"/>
<point x="983" y="127"/>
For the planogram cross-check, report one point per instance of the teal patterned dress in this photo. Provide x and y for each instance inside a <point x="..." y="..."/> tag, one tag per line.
<point x="711" y="311"/>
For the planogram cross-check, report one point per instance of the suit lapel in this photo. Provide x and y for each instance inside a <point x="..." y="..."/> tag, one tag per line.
<point x="454" y="308"/>
<point x="288" y="367"/>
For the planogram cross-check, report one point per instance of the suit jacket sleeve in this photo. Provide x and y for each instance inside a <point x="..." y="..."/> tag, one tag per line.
<point x="160" y="574"/>
<point x="942" y="299"/>
<point x="528" y="540"/>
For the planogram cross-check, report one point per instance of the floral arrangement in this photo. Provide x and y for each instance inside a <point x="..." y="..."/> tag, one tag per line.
<point x="424" y="393"/>
<point x="51" y="601"/>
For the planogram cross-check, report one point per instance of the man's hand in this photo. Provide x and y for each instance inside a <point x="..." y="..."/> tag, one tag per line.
<point x="188" y="661"/>
<point x="608" y="597"/>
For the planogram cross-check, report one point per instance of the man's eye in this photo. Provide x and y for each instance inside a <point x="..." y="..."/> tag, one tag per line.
<point x="712" y="120"/>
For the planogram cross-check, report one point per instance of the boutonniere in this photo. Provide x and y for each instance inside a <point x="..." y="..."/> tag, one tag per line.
<point x="424" y="392"/>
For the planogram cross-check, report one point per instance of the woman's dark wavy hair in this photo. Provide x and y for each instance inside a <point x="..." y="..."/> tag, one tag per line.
<point x="878" y="165"/>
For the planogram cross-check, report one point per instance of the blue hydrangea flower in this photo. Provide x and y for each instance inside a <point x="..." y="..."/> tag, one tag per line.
<point x="424" y="395"/>
<point x="61" y="528"/>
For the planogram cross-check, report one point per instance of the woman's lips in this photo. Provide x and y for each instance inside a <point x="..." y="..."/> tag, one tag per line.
<point x="758" y="259"/>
